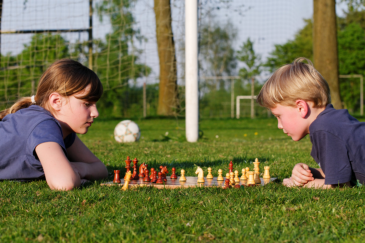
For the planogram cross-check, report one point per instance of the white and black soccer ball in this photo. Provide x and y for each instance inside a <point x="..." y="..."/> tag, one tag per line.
<point x="126" y="131"/>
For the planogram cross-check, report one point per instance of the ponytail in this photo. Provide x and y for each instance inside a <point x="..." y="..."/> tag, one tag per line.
<point x="22" y="103"/>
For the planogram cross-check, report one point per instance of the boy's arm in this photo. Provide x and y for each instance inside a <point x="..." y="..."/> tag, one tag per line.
<point x="319" y="183"/>
<point x="85" y="162"/>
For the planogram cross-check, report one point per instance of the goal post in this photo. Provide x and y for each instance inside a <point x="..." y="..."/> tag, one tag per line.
<point x="245" y="97"/>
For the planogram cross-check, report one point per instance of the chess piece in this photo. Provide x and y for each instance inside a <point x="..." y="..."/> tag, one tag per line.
<point x="227" y="176"/>
<point x="127" y="180"/>
<point x="230" y="167"/>
<point x="159" y="180"/>
<point x="237" y="186"/>
<point x="173" y="175"/>
<point x="199" y="171"/>
<point x="226" y="184"/>
<point x="266" y="181"/>
<point x="154" y="177"/>
<point x="267" y="172"/>
<point x="257" y="178"/>
<point x="135" y="173"/>
<point x="220" y="177"/>
<point x="231" y="179"/>
<point x="256" y="164"/>
<point x="243" y="177"/>
<point x="152" y="170"/>
<point x="164" y="171"/>
<point x="251" y="180"/>
<point x="146" y="176"/>
<point x="236" y="178"/>
<point x="209" y="176"/>
<point x="182" y="176"/>
<point x="116" y="177"/>
<point x="127" y="165"/>
<point x="142" y="168"/>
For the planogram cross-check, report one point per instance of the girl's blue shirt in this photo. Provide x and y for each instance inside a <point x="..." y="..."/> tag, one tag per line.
<point x="20" y="133"/>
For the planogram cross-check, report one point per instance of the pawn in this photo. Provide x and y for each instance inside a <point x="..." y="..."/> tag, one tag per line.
<point x="227" y="176"/>
<point x="267" y="172"/>
<point x="182" y="177"/>
<point x="243" y="177"/>
<point x="226" y="184"/>
<point x="152" y="170"/>
<point x="154" y="177"/>
<point x="257" y="178"/>
<point x="135" y="174"/>
<point x="146" y="176"/>
<point x="116" y="177"/>
<point x="236" y="178"/>
<point x="231" y="179"/>
<point x="220" y="177"/>
<point x="209" y="176"/>
<point x="251" y="180"/>
<point x="159" y="180"/>
<point x="173" y="175"/>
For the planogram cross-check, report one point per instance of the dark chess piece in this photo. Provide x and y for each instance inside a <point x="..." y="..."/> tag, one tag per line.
<point x="159" y="180"/>
<point x="230" y="167"/>
<point x="146" y="176"/>
<point x="154" y="177"/>
<point x="226" y="184"/>
<point x="237" y="186"/>
<point x="127" y="165"/>
<point x="152" y="170"/>
<point x="116" y="177"/>
<point x="135" y="174"/>
<point x="164" y="171"/>
<point x="142" y="167"/>
<point x="173" y="175"/>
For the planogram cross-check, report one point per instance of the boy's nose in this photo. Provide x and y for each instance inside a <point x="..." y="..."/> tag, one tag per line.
<point x="280" y="126"/>
<point x="94" y="112"/>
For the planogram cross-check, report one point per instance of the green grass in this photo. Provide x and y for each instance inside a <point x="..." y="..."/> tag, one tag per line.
<point x="32" y="212"/>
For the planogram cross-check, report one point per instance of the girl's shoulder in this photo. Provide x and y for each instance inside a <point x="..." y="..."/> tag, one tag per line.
<point x="25" y="120"/>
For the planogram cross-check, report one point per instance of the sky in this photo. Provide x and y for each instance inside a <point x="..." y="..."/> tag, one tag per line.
<point x="265" y="22"/>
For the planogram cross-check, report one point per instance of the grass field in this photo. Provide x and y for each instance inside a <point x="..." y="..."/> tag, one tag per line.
<point x="32" y="212"/>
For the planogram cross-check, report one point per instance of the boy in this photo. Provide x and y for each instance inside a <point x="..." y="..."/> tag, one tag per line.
<point x="299" y="97"/>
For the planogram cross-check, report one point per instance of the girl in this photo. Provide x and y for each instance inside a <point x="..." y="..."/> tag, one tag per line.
<point x="38" y="134"/>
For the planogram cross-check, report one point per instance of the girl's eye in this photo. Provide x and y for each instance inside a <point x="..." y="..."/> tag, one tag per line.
<point x="87" y="104"/>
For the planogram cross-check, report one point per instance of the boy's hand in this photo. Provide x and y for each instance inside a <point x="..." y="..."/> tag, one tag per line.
<point x="301" y="174"/>
<point x="288" y="182"/>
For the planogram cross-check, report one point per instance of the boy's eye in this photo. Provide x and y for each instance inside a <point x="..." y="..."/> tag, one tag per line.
<point x="87" y="104"/>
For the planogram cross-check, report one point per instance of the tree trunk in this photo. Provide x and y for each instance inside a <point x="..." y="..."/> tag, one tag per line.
<point x="325" y="46"/>
<point x="168" y="95"/>
<point x="1" y="19"/>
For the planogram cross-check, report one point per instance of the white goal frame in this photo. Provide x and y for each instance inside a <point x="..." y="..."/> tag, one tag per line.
<point x="244" y="97"/>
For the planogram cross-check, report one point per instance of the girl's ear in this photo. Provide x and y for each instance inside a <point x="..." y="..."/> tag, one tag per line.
<point x="55" y="101"/>
<point x="303" y="108"/>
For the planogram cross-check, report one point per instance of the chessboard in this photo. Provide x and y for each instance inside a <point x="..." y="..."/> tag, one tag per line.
<point x="191" y="181"/>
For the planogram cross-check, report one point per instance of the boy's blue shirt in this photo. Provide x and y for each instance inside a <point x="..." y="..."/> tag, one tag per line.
<point x="20" y="133"/>
<point x="338" y="146"/>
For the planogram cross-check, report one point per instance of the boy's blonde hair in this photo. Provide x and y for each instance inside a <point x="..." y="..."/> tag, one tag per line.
<point x="295" y="81"/>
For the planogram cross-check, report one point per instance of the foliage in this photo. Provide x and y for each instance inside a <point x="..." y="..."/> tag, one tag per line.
<point x="250" y="59"/>
<point x="301" y="46"/>
<point x="274" y="213"/>
<point x="20" y="71"/>
<point x="116" y="58"/>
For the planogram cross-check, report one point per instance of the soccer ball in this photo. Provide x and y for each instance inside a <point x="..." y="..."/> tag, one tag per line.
<point x="126" y="131"/>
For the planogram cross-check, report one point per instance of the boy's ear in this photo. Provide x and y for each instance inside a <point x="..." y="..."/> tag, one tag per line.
<point x="55" y="101"/>
<point x="303" y="108"/>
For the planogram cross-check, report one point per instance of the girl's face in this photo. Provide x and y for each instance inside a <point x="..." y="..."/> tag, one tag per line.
<point x="76" y="115"/>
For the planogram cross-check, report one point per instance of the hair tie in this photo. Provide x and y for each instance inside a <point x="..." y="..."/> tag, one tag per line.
<point x="33" y="100"/>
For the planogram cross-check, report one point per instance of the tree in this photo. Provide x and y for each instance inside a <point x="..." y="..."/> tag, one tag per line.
<point x="168" y="95"/>
<point x="325" y="46"/>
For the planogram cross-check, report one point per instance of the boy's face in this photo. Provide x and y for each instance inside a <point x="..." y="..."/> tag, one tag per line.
<point x="292" y="120"/>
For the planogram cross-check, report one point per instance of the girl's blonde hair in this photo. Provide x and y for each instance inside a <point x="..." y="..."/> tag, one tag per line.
<point x="66" y="77"/>
<point x="295" y="81"/>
